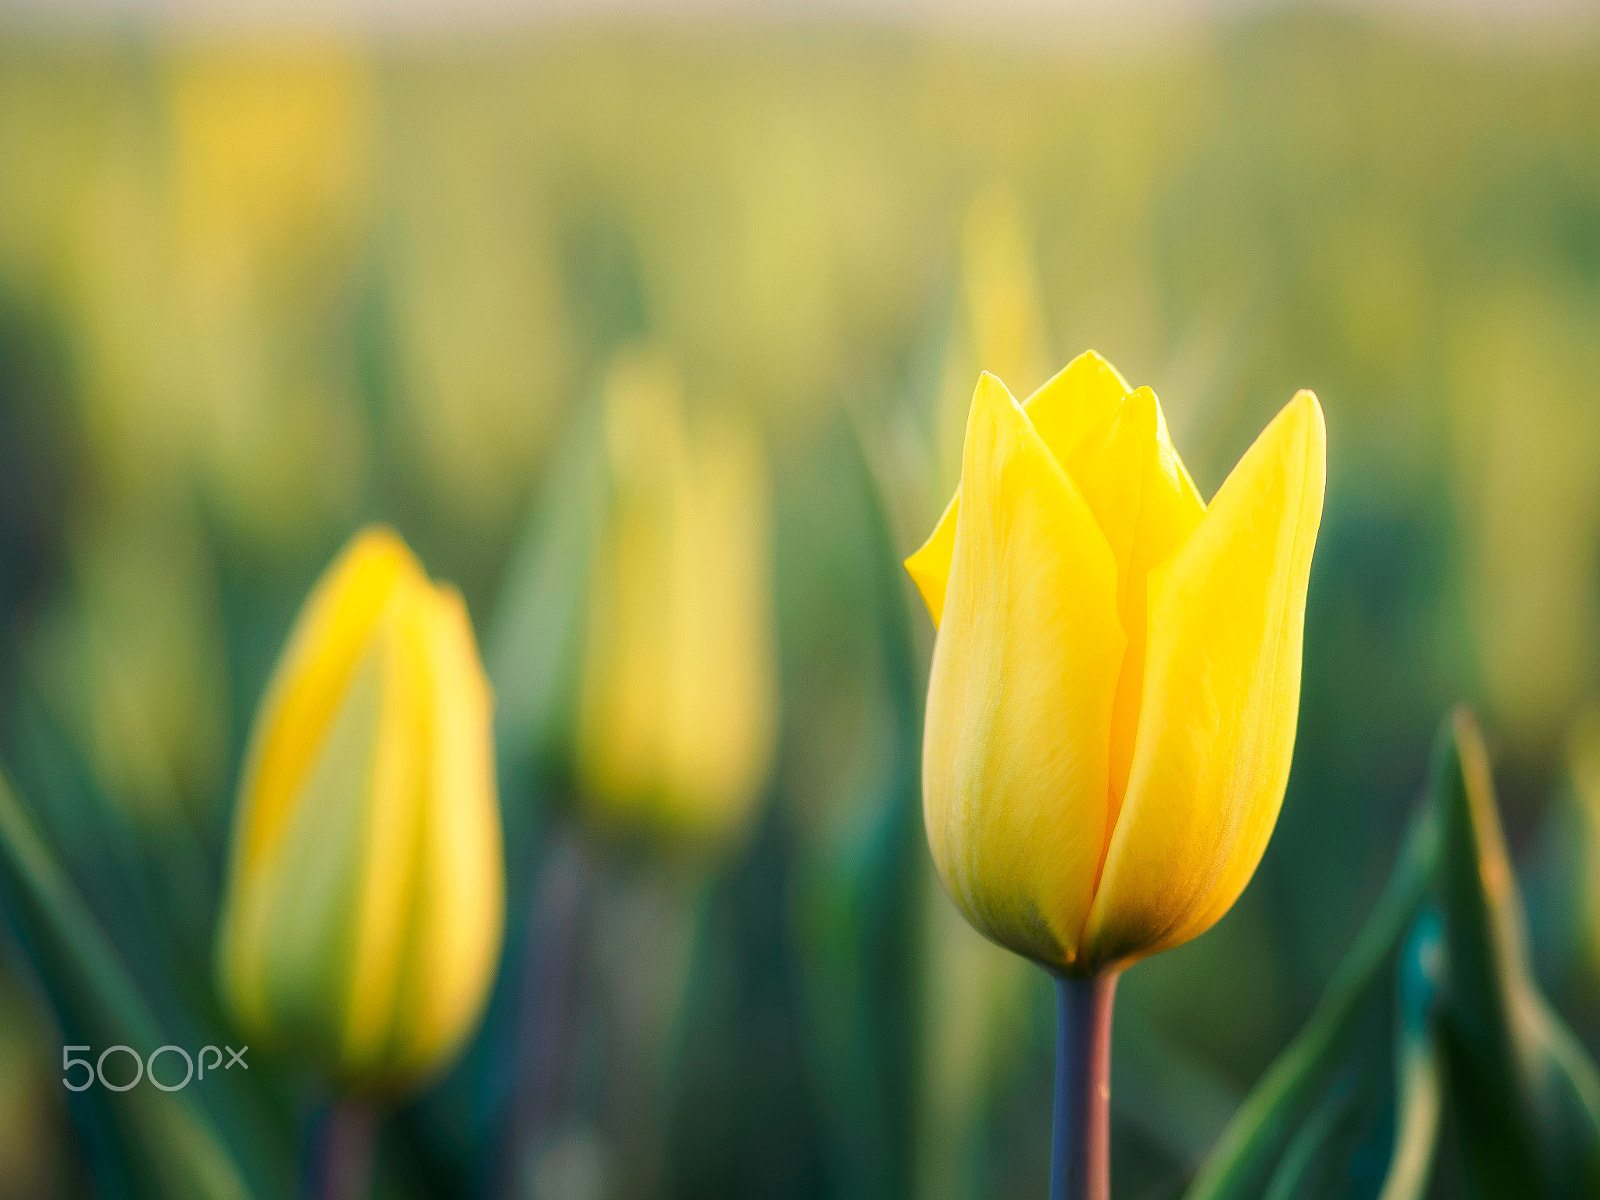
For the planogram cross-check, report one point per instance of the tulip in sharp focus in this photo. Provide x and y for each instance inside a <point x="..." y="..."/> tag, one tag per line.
<point x="1112" y="704"/>
<point x="1111" y="711"/>
<point x="366" y="892"/>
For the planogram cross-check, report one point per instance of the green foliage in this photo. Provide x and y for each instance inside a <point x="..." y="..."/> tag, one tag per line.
<point x="1346" y="1032"/>
<point x="1469" y="1032"/>
<point x="1525" y="1093"/>
<point x="169" y="1142"/>
<point x="860" y="884"/>
<point x="530" y="650"/>
<point x="262" y="298"/>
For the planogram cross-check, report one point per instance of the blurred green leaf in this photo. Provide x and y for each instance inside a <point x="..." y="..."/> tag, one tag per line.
<point x="1467" y="1010"/>
<point x="1526" y="1095"/>
<point x="531" y="644"/>
<point x="95" y="843"/>
<point x="1313" y="1154"/>
<point x="169" y="1139"/>
<point x="1419" y="1078"/>
<point x="535" y="632"/>
<point x="1287" y="1100"/>
<point x="857" y="884"/>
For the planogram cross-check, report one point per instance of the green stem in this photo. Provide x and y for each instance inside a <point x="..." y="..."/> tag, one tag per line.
<point x="1080" y="1153"/>
<point x="347" y="1152"/>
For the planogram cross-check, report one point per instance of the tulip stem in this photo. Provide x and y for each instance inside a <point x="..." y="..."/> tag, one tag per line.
<point x="347" y="1152"/>
<point x="1080" y="1153"/>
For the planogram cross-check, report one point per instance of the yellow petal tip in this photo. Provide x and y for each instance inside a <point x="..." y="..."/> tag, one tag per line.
<point x="1306" y="400"/>
<point x="376" y="536"/>
<point x="990" y="388"/>
<point x="377" y="543"/>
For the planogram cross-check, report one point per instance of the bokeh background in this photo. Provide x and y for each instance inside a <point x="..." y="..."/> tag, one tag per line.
<point x="506" y="285"/>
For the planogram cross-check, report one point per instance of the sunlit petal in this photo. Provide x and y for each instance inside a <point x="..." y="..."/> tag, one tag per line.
<point x="1077" y="400"/>
<point x="1019" y="701"/>
<point x="1221" y="696"/>
<point x="1147" y="507"/>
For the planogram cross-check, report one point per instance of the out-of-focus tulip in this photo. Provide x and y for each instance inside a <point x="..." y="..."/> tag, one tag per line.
<point x="366" y="894"/>
<point x="1116" y="679"/>
<point x="1004" y="331"/>
<point x="1004" y="299"/>
<point x="269" y="153"/>
<point x="678" y="700"/>
<point x="1523" y="425"/>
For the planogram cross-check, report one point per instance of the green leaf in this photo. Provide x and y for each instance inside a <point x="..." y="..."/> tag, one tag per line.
<point x="1526" y="1095"/>
<point x="533" y="637"/>
<point x="1312" y="1157"/>
<point x="1270" y="1123"/>
<point x="857" y="879"/>
<point x="168" y="1137"/>
<point x="1419" y="1074"/>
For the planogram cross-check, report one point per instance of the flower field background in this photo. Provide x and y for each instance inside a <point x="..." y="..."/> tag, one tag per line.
<point x="255" y="294"/>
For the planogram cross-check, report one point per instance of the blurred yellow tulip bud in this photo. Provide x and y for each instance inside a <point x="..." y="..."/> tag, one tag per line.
<point x="1116" y="678"/>
<point x="365" y="898"/>
<point x="678" y="699"/>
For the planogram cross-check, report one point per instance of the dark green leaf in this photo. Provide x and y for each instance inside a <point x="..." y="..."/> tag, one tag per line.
<point x="1284" y="1102"/>
<point x="531" y="646"/>
<point x="858" y="882"/>
<point x="1419" y="1080"/>
<point x="168" y="1137"/>
<point x="1526" y="1095"/>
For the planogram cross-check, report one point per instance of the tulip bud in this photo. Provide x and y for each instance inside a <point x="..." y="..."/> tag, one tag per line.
<point x="678" y="698"/>
<point x="1116" y="678"/>
<point x="365" y="897"/>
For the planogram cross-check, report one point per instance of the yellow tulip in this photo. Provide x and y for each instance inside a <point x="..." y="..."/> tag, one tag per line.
<point x="1116" y="677"/>
<point x="365" y="898"/>
<point x="678" y="700"/>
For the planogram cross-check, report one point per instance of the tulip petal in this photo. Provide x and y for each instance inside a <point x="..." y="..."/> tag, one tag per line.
<point x="460" y="874"/>
<point x="1221" y="697"/>
<point x="391" y="837"/>
<point x="1147" y="506"/>
<point x="721" y="717"/>
<point x="1077" y="400"/>
<point x="302" y="705"/>
<point x="1020" y="694"/>
<point x="929" y="567"/>
<point x="296" y="909"/>
<point x="310" y="680"/>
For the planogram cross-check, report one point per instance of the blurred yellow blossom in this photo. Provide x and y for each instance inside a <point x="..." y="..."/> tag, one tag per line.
<point x="270" y="167"/>
<point x="365" y="900"/>
<point x="1002" y="314"/>
<point x="678" y="701"/>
